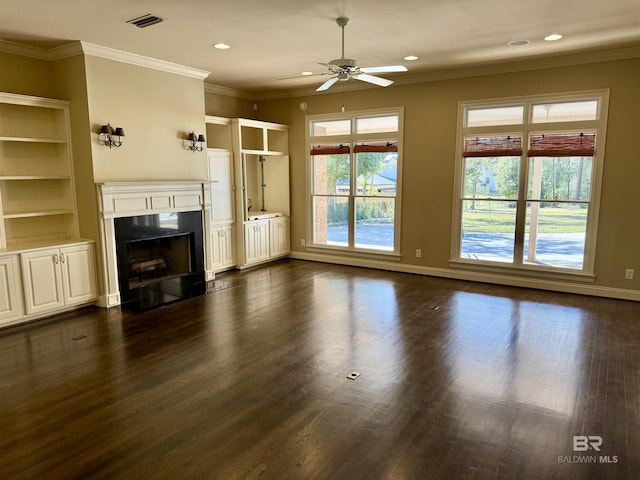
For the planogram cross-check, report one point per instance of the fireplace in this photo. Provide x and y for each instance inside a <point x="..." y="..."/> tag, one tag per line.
<point x="160" y="258"/>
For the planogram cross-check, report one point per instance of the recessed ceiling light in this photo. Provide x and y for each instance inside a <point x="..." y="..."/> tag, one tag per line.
<point x="410" y="58"/>
<point x="306" y="73"/>
<point x="221" y="46"/>
<point x="553" y="37"/>
<point x="517" y="43"/>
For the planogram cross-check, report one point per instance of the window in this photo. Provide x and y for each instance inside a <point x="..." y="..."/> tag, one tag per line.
<point x="355" y="164"/>
<point x="529" y="174"/>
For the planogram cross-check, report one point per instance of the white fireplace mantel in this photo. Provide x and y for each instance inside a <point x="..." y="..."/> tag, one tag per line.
<point x="129" y="199"/>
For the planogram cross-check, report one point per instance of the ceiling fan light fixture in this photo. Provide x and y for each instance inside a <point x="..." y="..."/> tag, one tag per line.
<point x="344" y="68"/>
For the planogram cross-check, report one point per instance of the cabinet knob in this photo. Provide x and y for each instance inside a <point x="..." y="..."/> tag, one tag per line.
<point x="62" y="257"/>
<point x="56" y="259"/>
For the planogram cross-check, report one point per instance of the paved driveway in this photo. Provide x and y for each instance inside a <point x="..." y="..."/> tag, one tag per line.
<point x="558" y="249"/>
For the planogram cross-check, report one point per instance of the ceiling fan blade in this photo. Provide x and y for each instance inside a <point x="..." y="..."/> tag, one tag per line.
<point x="327" y="84"/>
<point x="384" y="69"/>
<point x="383" y="82"/>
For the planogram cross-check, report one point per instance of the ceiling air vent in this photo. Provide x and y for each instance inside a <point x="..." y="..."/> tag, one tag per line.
<point x="146" y="20"/>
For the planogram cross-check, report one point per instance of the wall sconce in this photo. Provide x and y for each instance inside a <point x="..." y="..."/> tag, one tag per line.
<point x="111" y="137"/>
<point x="196" y="142"/>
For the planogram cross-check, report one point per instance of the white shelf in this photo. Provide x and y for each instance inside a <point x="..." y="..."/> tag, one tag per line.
<point x="32" y="140"/>
<point x="34" y="177"/>
<point x="38" y="214"/>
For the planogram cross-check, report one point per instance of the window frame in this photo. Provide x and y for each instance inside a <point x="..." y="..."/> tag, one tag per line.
<point x="353" y="139"/>
<point x="526" y="128"/>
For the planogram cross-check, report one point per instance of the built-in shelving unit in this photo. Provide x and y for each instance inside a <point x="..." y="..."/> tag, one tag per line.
<point x="37" y="199"/>
<point x="261" y="163"/>
<point x="249" y="176"/>
<point x="44" y="267"/>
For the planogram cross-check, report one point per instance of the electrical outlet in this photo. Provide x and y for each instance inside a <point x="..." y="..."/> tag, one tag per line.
<point x="418" y="253"/>
<point x="302" y="242"/>
<point x="628" y="274"/>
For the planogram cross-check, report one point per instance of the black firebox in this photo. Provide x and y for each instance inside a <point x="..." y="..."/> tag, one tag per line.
<point x="160" y="259"/>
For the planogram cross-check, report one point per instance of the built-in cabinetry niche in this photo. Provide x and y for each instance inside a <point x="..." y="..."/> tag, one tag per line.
<point x="249" y="175"/>
<point x="44" y="266"/>
<point x="262" y="202"/>
<point x="266" y="186"/>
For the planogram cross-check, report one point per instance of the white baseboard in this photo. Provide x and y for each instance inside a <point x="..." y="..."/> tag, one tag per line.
<point x="485" y="277"/>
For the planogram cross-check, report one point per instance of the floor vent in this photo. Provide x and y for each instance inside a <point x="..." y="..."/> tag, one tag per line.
<point x="146" y="20"/>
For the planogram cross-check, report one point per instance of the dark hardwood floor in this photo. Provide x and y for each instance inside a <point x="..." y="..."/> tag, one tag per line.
<point x="250" y="382"/>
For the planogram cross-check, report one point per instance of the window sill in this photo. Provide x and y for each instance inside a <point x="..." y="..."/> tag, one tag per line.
<point x="525" y="271"/>
<point x="354" y="252"/>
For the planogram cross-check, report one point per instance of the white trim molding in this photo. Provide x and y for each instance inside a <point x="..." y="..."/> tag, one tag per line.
<point x="134" y="59"/>
<point x="483" y="277"/>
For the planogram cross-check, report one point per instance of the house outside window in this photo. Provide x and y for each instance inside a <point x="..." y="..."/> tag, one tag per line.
<point x="528" y="177"/>
<point x="355" y="167"/>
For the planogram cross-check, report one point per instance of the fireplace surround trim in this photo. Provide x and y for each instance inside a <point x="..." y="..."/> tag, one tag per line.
<point x="130" y="199"/>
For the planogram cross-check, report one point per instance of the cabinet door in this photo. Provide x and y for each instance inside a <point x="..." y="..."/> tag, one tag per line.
<point x="77" y="265"/>
<point x="256" y="240"/>
<point x="228" y="256"/>
<point x="221" y="176"/>
<point x="279" y="232"/>
<point x="222" y="240"/>
<point x="42" y="280"/>
<point x="250" y="243"/>
<point x="216" y="247"/>
<point x="262" y="232"/>
<point x="10" y="305"/>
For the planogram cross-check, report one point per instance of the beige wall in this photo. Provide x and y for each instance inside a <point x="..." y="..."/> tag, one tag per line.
<point x="221" y="105"/>
<point x="429" y="155"/>
<point x="26" y="76"/>
<point x="157" y="110"/>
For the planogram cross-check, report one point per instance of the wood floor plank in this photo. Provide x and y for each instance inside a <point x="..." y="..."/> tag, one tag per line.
<point x="458" y="380"/>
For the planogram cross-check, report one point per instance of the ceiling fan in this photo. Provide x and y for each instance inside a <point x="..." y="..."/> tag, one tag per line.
<point x="344" y="68"/>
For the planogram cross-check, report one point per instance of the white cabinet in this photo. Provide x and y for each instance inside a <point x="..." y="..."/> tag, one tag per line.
<point x="256" y="241"/>
<point x="222" y="181"/>
<point x="58" y="277"/>
<point x="279" y="237"/>
<point x="223" y="244"/>
<point x="261" y="163"/>
<point x="266" y="239"/>
<point x="10" y="298"/>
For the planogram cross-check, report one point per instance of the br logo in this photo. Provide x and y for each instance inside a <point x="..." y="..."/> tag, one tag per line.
<point x="583" y="443"/>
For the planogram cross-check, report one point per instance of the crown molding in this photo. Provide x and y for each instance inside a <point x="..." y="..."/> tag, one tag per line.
<point x="23" y="50"/>
<point x="65" y="51"/>
<point x="139" y="60"/>
<point x="77" y="48"/>
<point x="229" y="92"/>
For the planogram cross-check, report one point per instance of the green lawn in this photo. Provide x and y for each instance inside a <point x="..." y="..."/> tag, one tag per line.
<point x="502" y="220"/>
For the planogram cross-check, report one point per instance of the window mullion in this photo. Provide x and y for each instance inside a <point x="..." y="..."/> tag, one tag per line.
<point x="521" y="211"/>
<point x="352" y="194"/>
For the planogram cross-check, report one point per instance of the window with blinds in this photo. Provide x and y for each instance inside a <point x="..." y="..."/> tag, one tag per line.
<point x="529" y="171"/>
<point x="355" y="193"/>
